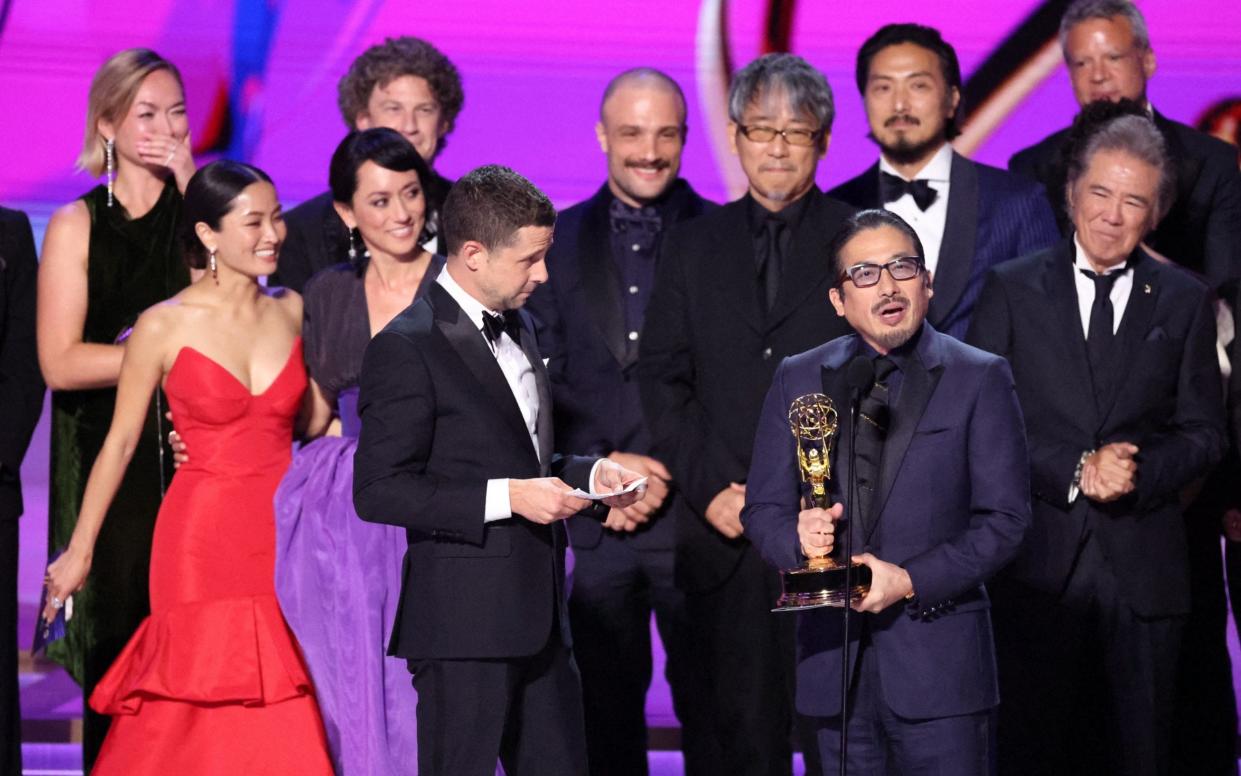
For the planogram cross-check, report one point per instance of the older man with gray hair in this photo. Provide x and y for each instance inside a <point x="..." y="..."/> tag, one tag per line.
<point x="1113" y="354"/>
<point x="1108" y="52"/>
<point x="737" y="290"/>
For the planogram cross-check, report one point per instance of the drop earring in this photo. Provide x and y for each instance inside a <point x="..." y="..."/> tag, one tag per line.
<point x="353" y="249"/>
<point x="211" y="266"/>
<point x="109" y="164"/>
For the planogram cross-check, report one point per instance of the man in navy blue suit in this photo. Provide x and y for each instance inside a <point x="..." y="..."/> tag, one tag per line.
<point x="943" y="503"/>
<point x="589" y="314"/>
<point x="969" y="216"/>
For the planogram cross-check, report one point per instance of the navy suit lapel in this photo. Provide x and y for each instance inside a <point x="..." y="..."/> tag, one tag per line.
<point x="1133" y="328"/>
<point x="1066" y="322"/>
<point x="736" y="272"/>
<point x="956" y="252"/>
<point x="471" y="346"/>
<point x="920" y="375"/>
<point x="601" y="280"/>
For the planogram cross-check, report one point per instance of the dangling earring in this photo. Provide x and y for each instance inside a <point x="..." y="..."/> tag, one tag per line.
<point x="110" y="164"/>
<point x="353" y="249"/>
<point x="211" y="265"/>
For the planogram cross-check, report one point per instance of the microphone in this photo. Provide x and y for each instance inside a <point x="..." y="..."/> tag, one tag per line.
<point x="860" y="373"/>
<point x="858" y="376"/>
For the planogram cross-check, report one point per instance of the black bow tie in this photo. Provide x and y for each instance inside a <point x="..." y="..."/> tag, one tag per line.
<point x="894" y="187"/>
<point x="495" y="325"/>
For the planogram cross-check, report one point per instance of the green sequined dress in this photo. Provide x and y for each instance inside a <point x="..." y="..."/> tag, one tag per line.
<point x="131" y="265"/>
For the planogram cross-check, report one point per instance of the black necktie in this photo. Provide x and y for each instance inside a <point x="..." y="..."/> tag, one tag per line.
<point x="770" y="260"/>
<point x="1100" y="335"/>
<point x="872" y="430"/>
<point x="495" y="325"/>
<point x="894" y="187"/>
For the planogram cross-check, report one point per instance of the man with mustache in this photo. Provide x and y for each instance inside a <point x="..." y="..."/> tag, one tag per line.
<point x="1108" y="53"/>
<point x="969" y="216"/>
<point x="1114" y="358"/>
<point x="589" y="313"/>
<point x="404" y="84"/>
<point x="939" y="455"/>
<point x="737" y="290"/>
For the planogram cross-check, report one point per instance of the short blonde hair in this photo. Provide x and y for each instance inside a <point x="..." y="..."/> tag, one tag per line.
<point x="112" y="93"/>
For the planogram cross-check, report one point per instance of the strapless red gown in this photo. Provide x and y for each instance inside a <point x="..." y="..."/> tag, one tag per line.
<point x="213" y="682"/>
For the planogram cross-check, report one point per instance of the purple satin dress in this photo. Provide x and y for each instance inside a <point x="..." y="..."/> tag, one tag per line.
<point x="338" y="578"/>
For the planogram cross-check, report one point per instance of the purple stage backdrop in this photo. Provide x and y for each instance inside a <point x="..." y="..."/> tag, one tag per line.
<point x="261" y="81"/>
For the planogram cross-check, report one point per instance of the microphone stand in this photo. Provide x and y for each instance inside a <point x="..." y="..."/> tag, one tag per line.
<point x="848" y="562"/>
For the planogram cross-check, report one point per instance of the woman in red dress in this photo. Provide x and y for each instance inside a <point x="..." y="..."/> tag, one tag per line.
<point x="212" y="682"/>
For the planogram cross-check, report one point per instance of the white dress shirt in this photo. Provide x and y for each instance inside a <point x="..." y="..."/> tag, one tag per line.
<point x="1085" y="289"/>
<point x="929" y="223"/>
<point x="518" y="373"/>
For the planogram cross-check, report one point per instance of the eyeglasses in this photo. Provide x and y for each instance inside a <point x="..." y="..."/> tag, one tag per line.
<point x="866" y="275"/>
<point x="794" y="137"/>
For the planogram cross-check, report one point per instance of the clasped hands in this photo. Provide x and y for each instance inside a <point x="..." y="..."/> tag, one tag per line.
<point x="816" y="533"/>
<point x="545" y="500"/>
<point x="1110" y="472"/>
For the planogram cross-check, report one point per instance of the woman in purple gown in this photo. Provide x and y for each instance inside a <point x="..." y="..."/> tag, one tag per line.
<point x="337" y="577"/>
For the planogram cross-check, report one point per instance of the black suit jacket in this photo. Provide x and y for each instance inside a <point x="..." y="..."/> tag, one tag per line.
<point x="21" y="383"/>
<point x="708" y="354"/>
<point x="438" y="422"/>
<point x="1202" y="231"/>
<point x="993" y="216"/>
<point x="1168" y="402"/>
<point x="317" y="237"/>
<point x="580" y="319"/>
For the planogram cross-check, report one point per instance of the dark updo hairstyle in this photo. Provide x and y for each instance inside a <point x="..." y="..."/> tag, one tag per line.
<point x="390" y="150"/>
<point x="209" y="196"/>
<point x="385" y="147"/>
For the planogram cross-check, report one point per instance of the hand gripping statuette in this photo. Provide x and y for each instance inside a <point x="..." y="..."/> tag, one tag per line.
<point x="818" y="581"/>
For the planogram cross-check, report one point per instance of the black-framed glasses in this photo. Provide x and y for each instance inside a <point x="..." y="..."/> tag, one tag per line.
<point x="758" y="133"/>
<point x="866" y="274"/>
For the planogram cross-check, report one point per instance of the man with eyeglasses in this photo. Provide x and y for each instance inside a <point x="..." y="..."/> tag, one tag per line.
<point x="736" y="290"/>
<point x="939" y="455"/>
<point x="969" y="216"/>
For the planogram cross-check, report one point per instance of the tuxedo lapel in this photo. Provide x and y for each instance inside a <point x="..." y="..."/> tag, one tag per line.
<point x="470" y="345"/>
<point x="956" y="253"/>
<point x="920" y="375"/>
<point x="601" y="280"/>
<point x="1066" y="324"/>
<point x="806" y="267"/>
<point x="1133" y="328"/>
<point x="543" y="423"/>
<point x="736" y="272"/>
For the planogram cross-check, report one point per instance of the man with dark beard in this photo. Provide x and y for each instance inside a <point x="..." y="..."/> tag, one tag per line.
<point x="968" y="216"/>
<point x="600" y="272"/>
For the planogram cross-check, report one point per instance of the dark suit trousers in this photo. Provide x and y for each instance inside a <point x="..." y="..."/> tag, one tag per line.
<point x="10" y="714"/>
<point x="1086" y="685"/>
<point x="748" y="653"/>
<point x="525" y="712"/>
<point x="616" y="586"/>
<point x="882" y="743"/>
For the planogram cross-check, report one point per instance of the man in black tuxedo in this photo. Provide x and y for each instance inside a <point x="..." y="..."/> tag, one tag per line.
<point x="404" y="84"/>
<point x="456" y="447"/>
<point x="737" y="290"/>
<point x="969" y="216"/>
<point x="21" y="401"/>
<point x="1114" y="358"/>
<point x="1109" y="56"/>
<point x="588" y="316"/>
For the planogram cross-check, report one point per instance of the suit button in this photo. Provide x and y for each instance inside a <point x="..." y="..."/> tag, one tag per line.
<point x="633" y="336"/>
<point x="766" y="353"/>
<point x="633" y="289"/>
